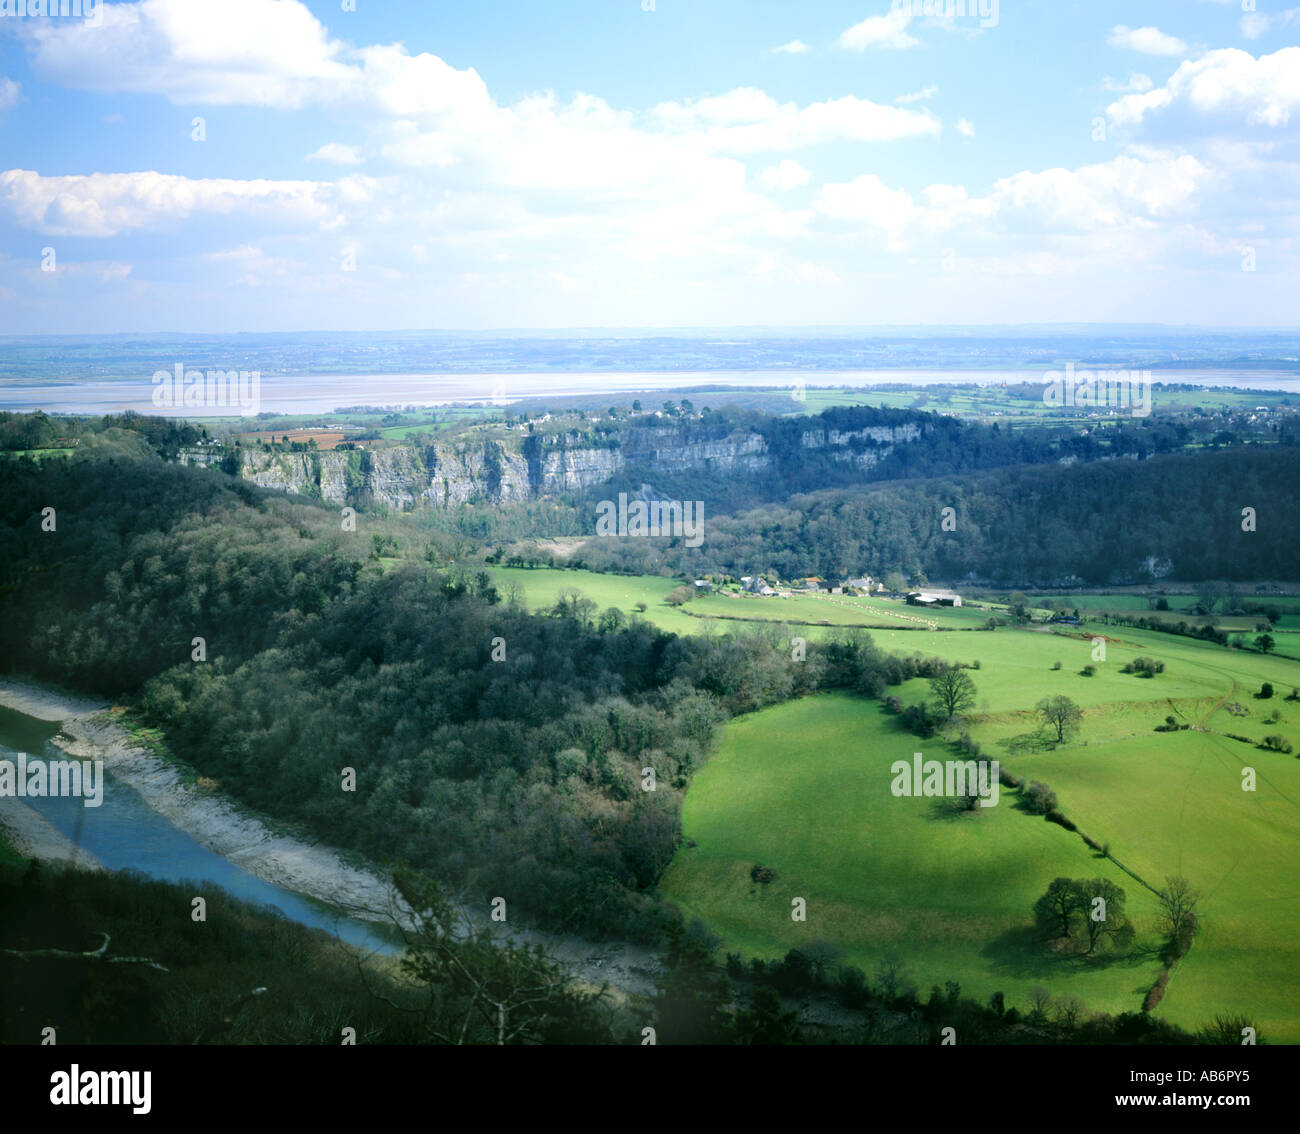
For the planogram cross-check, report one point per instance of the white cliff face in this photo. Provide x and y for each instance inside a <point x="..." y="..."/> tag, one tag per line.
<point x="406" y="477"/>
<point x="881" y="434"/>
<point x="663" y="451"/>
<point x="572" y="470"/>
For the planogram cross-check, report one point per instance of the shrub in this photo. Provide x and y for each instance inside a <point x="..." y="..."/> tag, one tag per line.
<point x="917" y="719"/>
<point x="1265" y="691"/>
<point x="1157" y="992"/>
<point x="1060" y="820"/>
<point x="1275" y="743"/>
<point x="1088" y="671"/>
<point x="1039" y="798"/>
<point x="761" y="873"/>
<point x="1144" y="667"/>
<point x="1056" y="665"/>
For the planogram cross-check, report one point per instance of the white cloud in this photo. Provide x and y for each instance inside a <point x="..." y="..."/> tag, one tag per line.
<point x="253" y="267"/>
<point x="784" y="176"/>
<point x="1232" y="82"/>
<point x="923" y="95"/>
<point x="1255" y="24"/>
<point x="887" y="32"/>
<point x="336" y="153"/>
<point x="243" y="253"/>
<point x="1125" y="193"/>
<point x="1149" y="41"/>
<point x="425" y="113"/>
<point x="794" y="47"/>
<point x="10" y="93"/>
<point x="748" y="121"/>
<point x="868" y="201"/>
<point x="105" y="204"/>
<point x="965" y="128"/>
<point x="236" y="52"/>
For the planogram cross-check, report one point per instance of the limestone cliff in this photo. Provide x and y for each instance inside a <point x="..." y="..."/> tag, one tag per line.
<point x="407" y="477"/>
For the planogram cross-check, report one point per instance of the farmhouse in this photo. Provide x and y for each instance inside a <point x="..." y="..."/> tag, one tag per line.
<point x="934" y="597"/>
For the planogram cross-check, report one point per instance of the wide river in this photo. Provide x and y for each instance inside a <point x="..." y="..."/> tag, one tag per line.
<point x="280" y="393"/>
<point x="125" y="832"/>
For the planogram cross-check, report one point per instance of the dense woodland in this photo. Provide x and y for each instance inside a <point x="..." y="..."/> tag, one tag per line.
<point x="1111" y="521"/>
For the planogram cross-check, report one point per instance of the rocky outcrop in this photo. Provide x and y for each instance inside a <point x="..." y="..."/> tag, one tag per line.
<point x="407" y="477"/>
<point x="879" y="435"/>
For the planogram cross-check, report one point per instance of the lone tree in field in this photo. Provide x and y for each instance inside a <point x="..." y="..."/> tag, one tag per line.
<point x="953" y="690"/>
<point x="1062" y="714"/>
<point x="1178" y="907"/>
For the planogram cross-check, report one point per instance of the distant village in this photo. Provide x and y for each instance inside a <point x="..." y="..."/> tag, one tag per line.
<point x="769" y="586"/>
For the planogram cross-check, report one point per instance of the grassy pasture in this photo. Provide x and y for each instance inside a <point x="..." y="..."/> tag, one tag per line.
<point x="817" y="614"/>
<point x="805" y="789"/>
<point x="42" y="454"/>
<point x="1173" y="803"/>
<point x="797" y="787"/>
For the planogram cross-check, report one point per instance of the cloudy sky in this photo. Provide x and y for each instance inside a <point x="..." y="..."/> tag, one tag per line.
<point x="222" y="165"/>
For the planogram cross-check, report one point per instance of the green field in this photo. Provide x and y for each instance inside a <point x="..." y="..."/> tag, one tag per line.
<point x="41" y="454"/>
<point x="992" y="401"/>
<point x="816" y="615"/>
<point x="803" y="788"/>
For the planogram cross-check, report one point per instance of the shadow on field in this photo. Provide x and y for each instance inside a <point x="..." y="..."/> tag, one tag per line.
<point x="1022" y="952"/>
<point x="946" y="809"/>
<point x="1027" y="742"/>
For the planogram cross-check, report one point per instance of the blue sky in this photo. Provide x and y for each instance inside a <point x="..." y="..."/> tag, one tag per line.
<point x="627" y="163"/>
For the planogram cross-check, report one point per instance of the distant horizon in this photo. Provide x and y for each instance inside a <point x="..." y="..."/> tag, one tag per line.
<point x="691" y="330"/>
